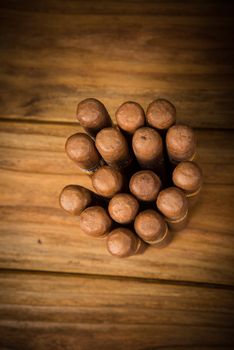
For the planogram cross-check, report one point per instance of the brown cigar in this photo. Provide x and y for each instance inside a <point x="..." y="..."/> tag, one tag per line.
<point x="130" y="116"/>
<point x="81" y="149"/>
<point x="107" y="181"/>
<point x="161" y="114"/>
<point x="123" y="208"/>
<point x="152" y="228"/>
<point x="74" y="199"/>
<point x="122" y="243"/>
<point x="188" y="177"/>
<point x="173" y="204"/>
<point x="145" y="185"/>
<point x="113" y="147"/>
<point x="181" y="143"/>
<point x="93" y="116"/>
<point x="148" y="148"/>
<point x="95" y="222"/>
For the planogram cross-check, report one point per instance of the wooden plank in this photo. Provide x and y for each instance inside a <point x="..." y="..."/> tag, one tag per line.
<point x="39" y="148"/>
<point x="47" y="311"/>
<point x="55" y="54"/>
<point x="128" y="7"/>
<point x="36" y="234"/>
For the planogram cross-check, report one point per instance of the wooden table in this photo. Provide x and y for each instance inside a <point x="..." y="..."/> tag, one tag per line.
<point x="59" y="289"/>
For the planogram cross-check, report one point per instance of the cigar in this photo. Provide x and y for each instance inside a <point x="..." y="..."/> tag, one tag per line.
<point x="130" y="116"/>
<point x="145" y="185"/>
<point x="180" y="143"/>
<point x="173" y="204"/>
<point x="107" y="181"/>
<point x="95" y="221"/>
<point x="74" y="199"/>
<point x="113" y="147"/>
<point x="148" y="148"/>
<point x="161" y="114"/>
<point x="152" y="228"/>
<point x="92" y="116"/>
<point x="188" y="177"/>
<point x="81" y="149"/>
<point x="122" y="243"/>
<point x="123" y="208"/>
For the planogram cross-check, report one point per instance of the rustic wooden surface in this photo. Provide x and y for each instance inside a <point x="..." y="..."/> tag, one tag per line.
<point x="50" y="311"/>
<point x="34" y="229"/>
<point x="54" y="54"/>
<point x="58" y="289"/>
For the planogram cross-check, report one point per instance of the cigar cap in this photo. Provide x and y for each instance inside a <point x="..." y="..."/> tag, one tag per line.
<point x="161" y="114"/>
<point x="130" y="116"/>
<point x="188" y="176"/>
<point x="122" y="242"/>
<point x="123" y="208"/>
<point x="91" y="113"/>
<point x="172" y="203"/>
<point x="180" y="142"/>
<point x="112" y="145"/>
<point x="94" y="221"/>
<point x="74" y="199"/>
<point x="150" y="225"/>
<point x="107" y="181"/>
<point x="147" y="144"/>
<point x="145" y="185"/>
<point x="81" y="149"/>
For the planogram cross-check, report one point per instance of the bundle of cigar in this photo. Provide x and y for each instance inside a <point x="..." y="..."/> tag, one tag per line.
<point x="143" y="174"/>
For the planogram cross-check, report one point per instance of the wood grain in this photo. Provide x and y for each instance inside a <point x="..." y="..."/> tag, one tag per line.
<point x="55" y="54"/>
<point x="36" y="234"/>
<point x="126" y="7"/>
<point x="48" y="311"/>
<point x="59" y="289"/>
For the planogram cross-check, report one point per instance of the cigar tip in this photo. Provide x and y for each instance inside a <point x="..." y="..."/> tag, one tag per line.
<point x="74" y="199"/>
<point x="172" y="203"/>
<point x="121" y="242"/>
<point x="161" y="114"/>
<point x="111" y="144"/>
<point x="80" y="148"/>
<point x="188" y="176"/>
<point x="150" y="225"/>
<point x="145" y="185"/>
<point x="147" y="143"/>
<point x="107" y="181"/>
<point x="91" y="113"/>
<point x="130" y="116"/>
<point x="94" y="221"/>
<point x="123" y="208"/>
<point x="180" y="142"/>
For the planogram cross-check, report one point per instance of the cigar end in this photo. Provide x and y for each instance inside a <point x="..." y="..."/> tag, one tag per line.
<point x="92" y="114"/>
<point x="187" y="176"/>
<point x="123" y="208"/>
<point x="94" y="221"/>
<point x="107" y="181"/>
<point x="150" y="226"/>
<point x="145" y="185"/>
<point x="81" y="149"/>
<point x="74" y="199"/>
<point x="122" y="242"/>
<point x="130" y="116"/>
<point x="180" y="142"/>
<point x="147" y="145"/>
<point x="161" y="114"/>
<point x="172" y="203"/>
<point x="112" y="146"/>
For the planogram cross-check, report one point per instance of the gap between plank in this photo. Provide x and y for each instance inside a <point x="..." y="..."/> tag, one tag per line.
<point x="121" y="278"/>
<point x="74" y="123"/>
